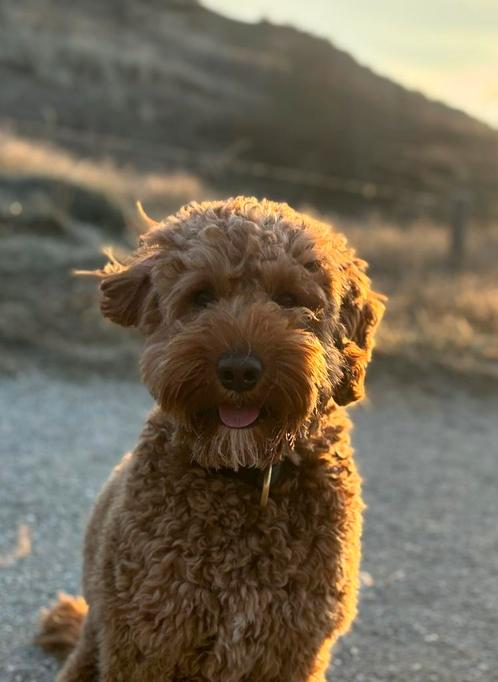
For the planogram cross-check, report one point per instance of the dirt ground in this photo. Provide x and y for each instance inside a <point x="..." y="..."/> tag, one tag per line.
<point x="429" y="602"/>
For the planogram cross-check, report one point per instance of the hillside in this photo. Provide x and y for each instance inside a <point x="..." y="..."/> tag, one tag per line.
<point x="168" y="84"/>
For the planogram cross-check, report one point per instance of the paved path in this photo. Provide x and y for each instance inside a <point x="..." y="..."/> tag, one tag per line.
<point x="429" y="608"/>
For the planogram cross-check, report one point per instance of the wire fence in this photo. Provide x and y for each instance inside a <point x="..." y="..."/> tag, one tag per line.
<point x="216" y="163"/>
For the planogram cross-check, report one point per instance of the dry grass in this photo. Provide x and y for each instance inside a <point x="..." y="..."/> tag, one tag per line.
<point x="162" y="193"/>
<point x="434" y="316"/>
<point x="45" y="311"/>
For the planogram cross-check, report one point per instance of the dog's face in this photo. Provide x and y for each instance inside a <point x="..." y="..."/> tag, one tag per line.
<point x="255" y="318"/>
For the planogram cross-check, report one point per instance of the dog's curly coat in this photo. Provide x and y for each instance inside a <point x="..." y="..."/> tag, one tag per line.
<point x="186" y="576"/>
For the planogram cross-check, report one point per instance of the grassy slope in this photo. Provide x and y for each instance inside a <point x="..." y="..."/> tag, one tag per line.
<point x="156" y="77"/>
<point x="433" y="318"/>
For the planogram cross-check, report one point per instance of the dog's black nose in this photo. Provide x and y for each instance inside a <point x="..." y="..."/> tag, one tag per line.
<point x="238" y="372"/>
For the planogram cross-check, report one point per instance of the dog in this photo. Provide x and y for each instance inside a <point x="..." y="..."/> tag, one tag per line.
<point x="226" y="547"/>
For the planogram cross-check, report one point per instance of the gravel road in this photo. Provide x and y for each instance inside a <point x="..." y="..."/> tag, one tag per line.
<point x="429" y="456"/>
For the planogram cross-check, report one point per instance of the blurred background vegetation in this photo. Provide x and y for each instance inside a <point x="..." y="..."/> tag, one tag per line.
<point x="104" y="103"/>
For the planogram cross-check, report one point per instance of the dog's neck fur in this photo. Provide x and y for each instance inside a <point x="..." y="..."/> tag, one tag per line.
<point x="328" y="442"/>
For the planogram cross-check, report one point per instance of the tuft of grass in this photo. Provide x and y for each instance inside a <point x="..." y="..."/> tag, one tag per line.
<point x="162" y="193"/>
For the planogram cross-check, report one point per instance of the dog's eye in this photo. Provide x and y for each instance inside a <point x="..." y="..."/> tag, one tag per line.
<point x="312" y="266"/>
<point x="286" y="300"/>
<point x="203" y="298"/>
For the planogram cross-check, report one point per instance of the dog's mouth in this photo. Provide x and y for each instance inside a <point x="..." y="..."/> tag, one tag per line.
<point x="238" y="417"/>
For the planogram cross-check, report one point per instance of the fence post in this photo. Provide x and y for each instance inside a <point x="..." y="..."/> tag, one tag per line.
<point x="459" y="223"/>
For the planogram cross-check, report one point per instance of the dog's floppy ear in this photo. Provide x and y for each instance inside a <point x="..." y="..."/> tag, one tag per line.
<point x="127" y="296"/>
<point x="124" y="290"/>
<point x="360" y="313"/>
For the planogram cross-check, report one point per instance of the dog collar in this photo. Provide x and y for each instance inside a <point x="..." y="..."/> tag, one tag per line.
<point x="260" y="478"/>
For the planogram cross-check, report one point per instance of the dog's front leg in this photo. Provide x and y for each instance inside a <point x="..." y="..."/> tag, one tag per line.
<point x="322" y="662"/>
<point x="301" y="665"/>
<point x="121" y="660"/>
<point x="82" y="664"/>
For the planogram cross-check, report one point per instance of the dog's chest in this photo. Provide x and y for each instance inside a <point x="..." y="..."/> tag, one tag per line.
<point x="204" y="562"/>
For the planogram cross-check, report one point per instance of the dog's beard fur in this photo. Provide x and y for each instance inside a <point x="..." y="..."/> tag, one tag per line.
<point x="180" y="372"/>
<point x="232" y="448"/>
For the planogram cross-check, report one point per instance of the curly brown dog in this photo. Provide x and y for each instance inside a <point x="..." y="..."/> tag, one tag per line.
<point x="226" y="547"/>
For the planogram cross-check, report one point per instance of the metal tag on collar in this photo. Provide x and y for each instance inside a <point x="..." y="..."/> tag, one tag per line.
<point x="265" y="491"/>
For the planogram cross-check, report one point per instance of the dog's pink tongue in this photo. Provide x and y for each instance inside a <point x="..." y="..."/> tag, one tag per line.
<point x="238" y="417"/>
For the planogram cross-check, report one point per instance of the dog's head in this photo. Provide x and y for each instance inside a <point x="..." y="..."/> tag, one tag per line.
<point x="255" y="318"/>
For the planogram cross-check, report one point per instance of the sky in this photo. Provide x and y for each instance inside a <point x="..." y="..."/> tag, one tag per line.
<point x="447" y="49"/>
